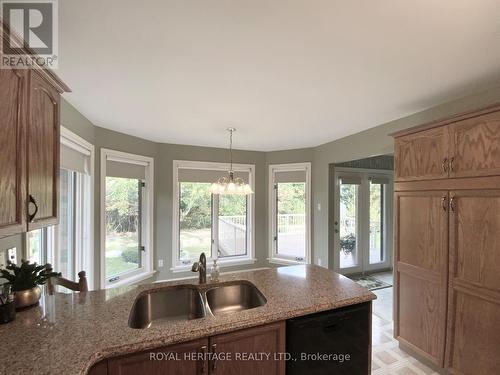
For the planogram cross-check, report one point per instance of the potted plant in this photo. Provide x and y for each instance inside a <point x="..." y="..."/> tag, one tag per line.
<point x="348" y="244"/>
<point x="25" y="280"/>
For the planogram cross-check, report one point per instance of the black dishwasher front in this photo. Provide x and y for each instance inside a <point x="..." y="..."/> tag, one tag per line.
<point x="330" y="343"/>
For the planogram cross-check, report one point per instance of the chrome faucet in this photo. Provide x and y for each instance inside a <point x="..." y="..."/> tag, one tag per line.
<point x="201" y="267"/>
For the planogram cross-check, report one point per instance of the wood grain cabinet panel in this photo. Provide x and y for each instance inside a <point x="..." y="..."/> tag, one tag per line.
<point x="475" y="238"/>
<point x="421" y="257"/>
<point x="43" y="152"/>
<point x="422" y="314"/>
<point x="473" y="344"/>
<point x="422" y="229"/>
<point x="475" y="146"/>
<point x="264" y="339"/>
<point x="13" y="104"/>
<point x="422" y="156"/>
<point x="178" y="359"/>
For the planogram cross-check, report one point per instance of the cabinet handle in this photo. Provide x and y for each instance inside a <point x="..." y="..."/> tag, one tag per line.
<point x="452" y="160"/>
<point x="32" y="216"/>
<point x="443" y="202"/>
<point x="203" y="350"/>
<point x="444" y="165"/>
<point x="214" y="357"/>
<point x="452" y="204"/>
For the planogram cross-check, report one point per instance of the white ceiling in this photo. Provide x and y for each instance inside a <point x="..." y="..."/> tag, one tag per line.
<point x="285" y="73"/>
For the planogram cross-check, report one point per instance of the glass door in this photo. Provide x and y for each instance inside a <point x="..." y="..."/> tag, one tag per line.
<point x="348" y="224"/>
<point x="362" y="222"/>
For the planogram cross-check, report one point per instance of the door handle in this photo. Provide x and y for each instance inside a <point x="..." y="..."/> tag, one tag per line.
<point x="32" y="200"/>
<point x="443" y="202"/>
<point x="203" y="350"/>
<point x="452" y="204"/>
<point x="214" y="358"/>
<point x="452" y="167"/>
<point x="444" y="165"/>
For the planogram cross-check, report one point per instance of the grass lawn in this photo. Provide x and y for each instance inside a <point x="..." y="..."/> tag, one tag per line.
<point x="194" y="242"/>
<point x="116" y="244"/>
<point x="116" y="266"/>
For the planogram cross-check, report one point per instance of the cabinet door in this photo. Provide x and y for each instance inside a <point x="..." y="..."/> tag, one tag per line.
<point x="475" y="146"/>
<point x="43" y="152"/>
<point x="13" y="100"/>
<point x="473" y="340"/>
<point x="422" y="156"/>
<point x="421" y="256"/>
<point x="254" y="341"/>
<point x="182" y="359"/>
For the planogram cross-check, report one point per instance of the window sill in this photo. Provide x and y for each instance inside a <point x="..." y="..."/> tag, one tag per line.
<point x="131" y="280"/>
<point x="286" y="262"/>
<point x="222" y="263"/>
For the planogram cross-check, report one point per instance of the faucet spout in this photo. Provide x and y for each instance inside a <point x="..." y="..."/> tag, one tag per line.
<point x="201" y="267"/>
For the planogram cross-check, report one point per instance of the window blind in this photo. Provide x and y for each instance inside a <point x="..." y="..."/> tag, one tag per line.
<point x="75" y="160"/>
<point x="289" y="176"/>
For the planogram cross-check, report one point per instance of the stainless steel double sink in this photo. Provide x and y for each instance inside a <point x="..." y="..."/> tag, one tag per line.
<point x="185" y="302"/>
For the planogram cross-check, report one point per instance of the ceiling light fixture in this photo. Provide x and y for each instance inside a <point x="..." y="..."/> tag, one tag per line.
<point x="231" y="185"/>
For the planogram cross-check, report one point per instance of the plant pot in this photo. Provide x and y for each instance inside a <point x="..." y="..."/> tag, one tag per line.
<point x="7" y="312"/>
<point x="28" y="297"/>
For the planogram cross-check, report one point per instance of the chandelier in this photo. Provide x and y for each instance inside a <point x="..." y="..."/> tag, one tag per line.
<point x="231" y="185"/>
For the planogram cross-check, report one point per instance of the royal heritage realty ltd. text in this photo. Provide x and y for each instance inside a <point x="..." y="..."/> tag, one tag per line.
<point x="258" y="356"/>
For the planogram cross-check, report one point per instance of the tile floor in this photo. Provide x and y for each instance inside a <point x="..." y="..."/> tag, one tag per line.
<point x="387" y="358"/>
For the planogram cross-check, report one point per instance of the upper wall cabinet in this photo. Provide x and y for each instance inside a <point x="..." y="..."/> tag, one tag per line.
<point x="13" y="104"/>
<point x="29" y="149"/>
<point x="465" y="146"/>
<point x="422" y="156"/>
<point x="42" y="153"/>
<point x="475" y="146"/>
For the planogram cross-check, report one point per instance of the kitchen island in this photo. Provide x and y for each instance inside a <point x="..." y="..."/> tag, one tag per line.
<point x="69" y="333"/>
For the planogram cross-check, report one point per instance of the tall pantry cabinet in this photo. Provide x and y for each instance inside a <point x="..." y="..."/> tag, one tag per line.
<point x="447" y="242"/>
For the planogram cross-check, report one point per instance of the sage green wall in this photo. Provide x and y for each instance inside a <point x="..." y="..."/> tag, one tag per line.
<point x="373" y="142"/>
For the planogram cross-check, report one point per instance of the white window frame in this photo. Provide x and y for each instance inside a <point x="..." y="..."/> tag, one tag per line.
<point x="84" y="257"/>
<point x="147" y="269"/>
<point x="274" y="257"/>
<point x="249" y="258"/>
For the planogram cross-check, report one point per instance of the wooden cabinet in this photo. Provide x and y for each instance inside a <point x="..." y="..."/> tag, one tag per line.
<point x="475" y="146"/>
<point x="422" y="156"/>
<point x="269" y="339"/>
<point x="421" y="264"/>
<point x="447" y="241"/>
<point x="43" y="152"/>
<point x="13" y="104"/>
<point x="473" y="345"/>
<point x="226" y="354"/>
<point x="465" y="146"/>
<point x="181" y="359"/>
<point x="29" y="149"/>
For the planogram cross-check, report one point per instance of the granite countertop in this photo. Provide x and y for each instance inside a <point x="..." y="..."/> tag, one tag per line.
<point x="68" y="333"/>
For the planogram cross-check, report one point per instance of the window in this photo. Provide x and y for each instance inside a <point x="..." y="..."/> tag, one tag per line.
<point x="289" y="211"/>
<point x="126" y="217"/>
<point x="218" y="225"/>
<point x="35" y="246"/>
<point x="68" y="246"/>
